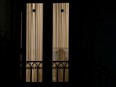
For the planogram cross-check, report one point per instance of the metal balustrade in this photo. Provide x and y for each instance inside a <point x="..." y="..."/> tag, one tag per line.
<point x="33" y="71"/>
<point x="59" y="71"/>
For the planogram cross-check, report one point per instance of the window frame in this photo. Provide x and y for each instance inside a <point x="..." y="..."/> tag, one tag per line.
<point x="47" y="64"/>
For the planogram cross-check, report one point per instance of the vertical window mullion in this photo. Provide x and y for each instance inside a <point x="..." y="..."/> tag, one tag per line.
<point x="47" y="42"/>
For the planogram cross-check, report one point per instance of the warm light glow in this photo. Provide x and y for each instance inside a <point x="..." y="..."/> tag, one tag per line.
<point x="60" y="39"/>
<point x="34" y="33"/>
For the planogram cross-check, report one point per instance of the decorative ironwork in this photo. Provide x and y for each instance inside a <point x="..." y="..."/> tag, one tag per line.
<point x="60" y="64"/>
<point x="34" y="69"/>
<point x="59" y="71"/>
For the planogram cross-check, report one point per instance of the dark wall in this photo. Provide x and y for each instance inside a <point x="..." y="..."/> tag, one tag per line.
<point x="5" y="25"/>
<point x="97" y="44"/>
<point x="5" y="35"/>
<point x="99" y="34"/>
<point x="9" y="40"/>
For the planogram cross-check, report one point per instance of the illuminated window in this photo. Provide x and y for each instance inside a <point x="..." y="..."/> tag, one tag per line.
<point x="36" y="59"/>
<point x="60" y="42"/>
<point x="34" y="31"/>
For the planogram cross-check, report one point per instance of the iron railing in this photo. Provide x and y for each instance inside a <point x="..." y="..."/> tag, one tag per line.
<point x="34" y="71"/>
<point x="59" y="71"/>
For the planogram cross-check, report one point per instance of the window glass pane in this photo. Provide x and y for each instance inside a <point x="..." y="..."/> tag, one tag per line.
<point x="60" y="42"/>
<point x="34" y="33"/>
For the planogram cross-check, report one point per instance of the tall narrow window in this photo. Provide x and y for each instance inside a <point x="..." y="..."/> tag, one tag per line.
<point x="34" y="36"/>
<point x="60" y="49"/>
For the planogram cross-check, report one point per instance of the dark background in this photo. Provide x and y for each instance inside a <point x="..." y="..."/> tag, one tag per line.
<point x="93" y="47"/>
